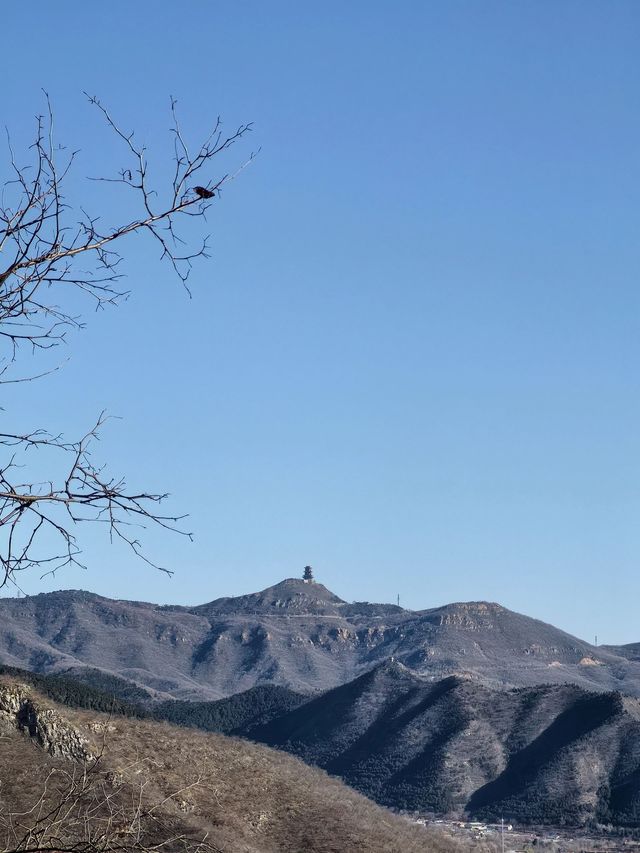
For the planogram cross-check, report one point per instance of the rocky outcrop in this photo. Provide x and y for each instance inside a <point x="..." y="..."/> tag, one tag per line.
<point x="45" y="725"/>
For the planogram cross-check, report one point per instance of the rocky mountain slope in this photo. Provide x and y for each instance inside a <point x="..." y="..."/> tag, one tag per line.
<point x="297" y="635"/>
<point x="548" y="754"/>
<point x="155" y="785"/>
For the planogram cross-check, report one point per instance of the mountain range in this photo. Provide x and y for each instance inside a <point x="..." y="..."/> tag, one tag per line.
<point x="467" y="708"/>
<point x="549" y="754"/>
<point x="298" y="635"/>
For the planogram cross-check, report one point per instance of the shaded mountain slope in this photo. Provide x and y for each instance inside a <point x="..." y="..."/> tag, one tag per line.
<point x="546" y="754"/>
<point x="296" y="635"/>
<point x="155" y="782"/>
<point x="75" y="693"/>
<point x="236" y="713"/>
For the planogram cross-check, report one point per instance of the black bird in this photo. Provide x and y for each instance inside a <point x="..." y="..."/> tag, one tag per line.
<point x="203" y="192"/>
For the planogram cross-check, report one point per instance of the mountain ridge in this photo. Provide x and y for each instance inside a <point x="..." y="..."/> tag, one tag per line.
<point x="297" y="635"/>
<point x="548" y="754"/>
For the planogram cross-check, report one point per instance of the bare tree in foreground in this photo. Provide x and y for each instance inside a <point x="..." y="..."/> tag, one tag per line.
<point x="50" y="251"/>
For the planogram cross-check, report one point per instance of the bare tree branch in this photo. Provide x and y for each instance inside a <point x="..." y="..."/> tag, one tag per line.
<point x="42" y="241"/>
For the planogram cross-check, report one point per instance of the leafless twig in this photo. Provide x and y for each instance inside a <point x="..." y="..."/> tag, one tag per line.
<point x="42" y="241"/>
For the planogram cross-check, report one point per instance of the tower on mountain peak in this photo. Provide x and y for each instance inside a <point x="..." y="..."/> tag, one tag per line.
<point x="307" y="575"/>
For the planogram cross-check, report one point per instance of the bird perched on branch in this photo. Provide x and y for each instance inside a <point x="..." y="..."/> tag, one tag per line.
<point x="203" y="192"/>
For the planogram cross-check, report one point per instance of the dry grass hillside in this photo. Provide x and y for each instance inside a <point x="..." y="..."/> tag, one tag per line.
<point x="130" y="784"/>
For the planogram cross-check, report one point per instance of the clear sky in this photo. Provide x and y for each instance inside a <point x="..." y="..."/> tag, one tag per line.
<point x="413" y="358"/>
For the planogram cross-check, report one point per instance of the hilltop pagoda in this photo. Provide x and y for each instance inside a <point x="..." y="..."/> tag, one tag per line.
<point x="307" y="575"/>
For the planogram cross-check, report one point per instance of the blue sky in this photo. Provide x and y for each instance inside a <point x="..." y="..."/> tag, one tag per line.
<point x="412" y="360"/>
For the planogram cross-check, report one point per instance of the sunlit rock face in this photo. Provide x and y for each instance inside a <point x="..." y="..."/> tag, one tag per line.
<point x="45" y="725"/>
